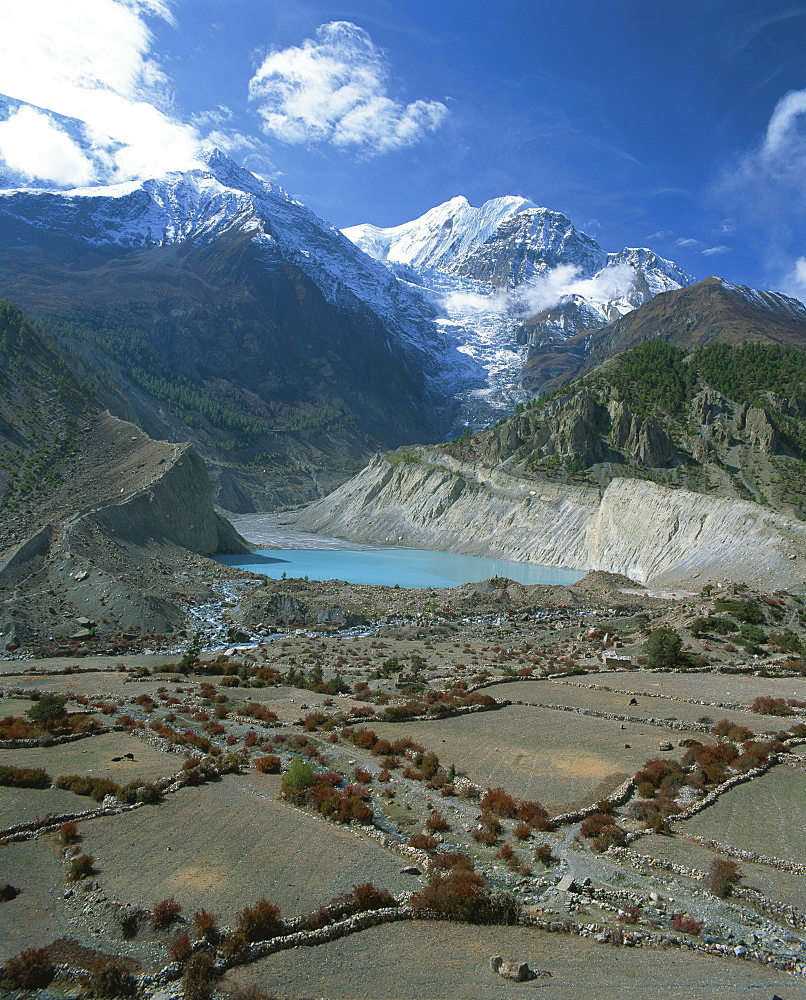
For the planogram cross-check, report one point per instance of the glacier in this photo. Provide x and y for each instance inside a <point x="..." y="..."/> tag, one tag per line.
<point x="508" y="276"/>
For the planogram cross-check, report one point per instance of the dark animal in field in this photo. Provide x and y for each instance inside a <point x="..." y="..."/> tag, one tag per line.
<point x="126" y="756"/>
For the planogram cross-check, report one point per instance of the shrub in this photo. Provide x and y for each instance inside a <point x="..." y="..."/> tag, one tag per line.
<point x="522" y="831"/>
<point x="180" y="948"/>
<point x="533" y="813"/>
<point x="298" y="778"/>
<point x="109" y="977"/>
<point x="629" y="914"/>
<point x="742" y="611"/>
<point x="68" y="833"/>
<point x="32" y="969"/>
<point x="437" y="822"/>
<point x="140" y="791"/>
<point x="25" y="777"/>
<point x="369" y="897"/>
<point x="543" y="854"/>
<point x="686" y="923"/>
<point x="81" y="867"/>
<point x="206" y="925"/>
<point x="199" y="976"/>
<point x="463" y="895"/>
<point x="165" y="913"/>
<point x="724" y="877"/>
<point x="95" y="788"/>
<point x="771" y="706"/>
<point x="268" y="765"/>
<point x="499" y="802"/>
<point x="259" y="922"/>
<point x="423" y="842"/>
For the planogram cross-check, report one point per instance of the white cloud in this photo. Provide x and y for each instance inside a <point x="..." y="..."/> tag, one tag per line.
<point x="794" y="283"/>
<point x="713" y="251"/>
<point x="767" y="189"/>
<point x="547" y="291"/>
<point x="33" y="145"/>
<point x="686" y="241"/>
<point x="91" y="60"/>
<point x="335" y="89"/>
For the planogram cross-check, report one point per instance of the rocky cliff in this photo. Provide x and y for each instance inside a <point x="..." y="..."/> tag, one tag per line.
<point x="648" y="532"/>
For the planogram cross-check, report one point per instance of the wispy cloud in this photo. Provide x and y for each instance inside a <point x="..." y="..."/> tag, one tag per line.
<point x="767" y="189"/>
<point x="547" y="291"/>
<point x="89" y="60"/>
<point x="686" y="241"/>
<point x="715" y="251"/>
<point x="335" y="89"/>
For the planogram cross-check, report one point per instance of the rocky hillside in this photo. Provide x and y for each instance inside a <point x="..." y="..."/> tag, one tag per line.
<point x="97" y="521"/>
<point x="650" y="533"/>
<point x="722" y="420"/>
<point x="711" y="311"/>
<point x="660" y="465"/>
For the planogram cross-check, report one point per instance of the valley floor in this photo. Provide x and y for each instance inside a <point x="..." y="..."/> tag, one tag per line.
<point x="490" y="685"/>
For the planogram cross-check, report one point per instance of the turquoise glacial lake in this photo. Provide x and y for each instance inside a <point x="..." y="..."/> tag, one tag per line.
<point x="414" y="568"/>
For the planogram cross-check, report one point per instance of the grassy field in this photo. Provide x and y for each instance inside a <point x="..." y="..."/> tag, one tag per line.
<point x="237" y="843"/>
<point x="93" y="756"/>
<point x="559" y="758"/>
<point x="659" y="707"/>
<point x="447" y="961"/>
<point x="767" y="815"/>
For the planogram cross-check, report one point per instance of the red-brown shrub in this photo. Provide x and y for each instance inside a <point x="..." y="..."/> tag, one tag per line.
<point x="499" y="802"/>
<point x="180" y="948"/>
<point x="270" y="764"/>
<point x="165" y="913"/>
<point x="32" y="969"/>
<point x="259" y="922"/>
<point x="437" y="822"/>
<point x="686" y="923"/>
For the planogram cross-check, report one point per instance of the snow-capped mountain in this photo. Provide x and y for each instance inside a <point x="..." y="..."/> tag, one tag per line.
<point x="508" y="276"/>
<point x="227" y="312"/>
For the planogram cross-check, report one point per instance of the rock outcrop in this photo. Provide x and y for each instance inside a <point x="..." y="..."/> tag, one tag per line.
<point x="648" y="532"/>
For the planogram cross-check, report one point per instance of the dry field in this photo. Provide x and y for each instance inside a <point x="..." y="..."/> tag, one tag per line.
<point x="767" y="815"/>
<point x="24" y="805"/>
<point x="737" y="688"/>
<point x="447" y="961"/>
<point x="33" y="918"/>
<point x="93" y="756"/>
<point x="559" y="758"/>
<point x="222" y="846"/>
<point x="658" y="707"/>
<point x="783" y="887"/>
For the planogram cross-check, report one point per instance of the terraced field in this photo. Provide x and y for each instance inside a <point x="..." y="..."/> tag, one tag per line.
<point x="223" y="846"/>
<point x="658" y="707"/>
<point x="448" y="961"/>
<point x="560" y="758"/>
<point x="94" y="756"/>
<point x="767" y="815"/>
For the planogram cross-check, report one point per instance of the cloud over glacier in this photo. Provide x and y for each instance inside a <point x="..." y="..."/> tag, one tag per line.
<point x="547" y="291"/>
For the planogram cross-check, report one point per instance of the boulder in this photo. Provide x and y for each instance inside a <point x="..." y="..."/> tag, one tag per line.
<point x="518" y="972"/>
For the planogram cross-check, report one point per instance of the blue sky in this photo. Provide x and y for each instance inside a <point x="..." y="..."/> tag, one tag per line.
<point x="679" y="126"/>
